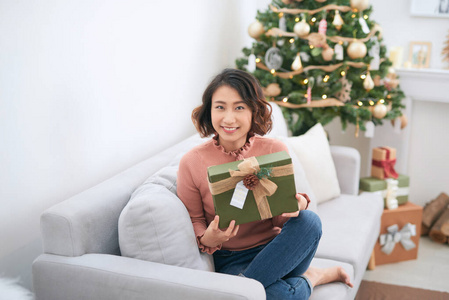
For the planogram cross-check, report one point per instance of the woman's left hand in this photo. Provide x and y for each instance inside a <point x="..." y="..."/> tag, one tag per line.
<point x="302" y="204"/>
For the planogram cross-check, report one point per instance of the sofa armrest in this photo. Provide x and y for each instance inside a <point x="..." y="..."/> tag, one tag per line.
<point x="102" y="276"/>
<point x="347" y="165"/>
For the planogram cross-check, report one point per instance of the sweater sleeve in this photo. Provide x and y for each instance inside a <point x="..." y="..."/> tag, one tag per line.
<point x="189" y="193"/>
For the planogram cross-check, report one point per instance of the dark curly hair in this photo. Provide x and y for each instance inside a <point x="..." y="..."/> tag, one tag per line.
<point x="251" y="93"/>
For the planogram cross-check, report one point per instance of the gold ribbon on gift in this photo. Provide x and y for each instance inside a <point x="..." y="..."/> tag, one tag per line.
<point x="264" y="188"/>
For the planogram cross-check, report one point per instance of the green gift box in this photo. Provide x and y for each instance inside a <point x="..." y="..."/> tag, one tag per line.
<point x="271" y="193"/>
<point x="372" y="184"/>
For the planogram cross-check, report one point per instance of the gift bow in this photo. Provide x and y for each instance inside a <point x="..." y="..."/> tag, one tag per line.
<point x="389" y="240"/>
<point x="387" y="165"/>
<point x="265" y="188"/>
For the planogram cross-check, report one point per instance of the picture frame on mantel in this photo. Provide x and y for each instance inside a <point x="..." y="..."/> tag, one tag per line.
<point x="430" y="8"/>
<point x="419" y="54"/>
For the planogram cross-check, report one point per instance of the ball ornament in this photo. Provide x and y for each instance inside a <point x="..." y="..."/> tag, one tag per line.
<point x="380" y="110"/>
<point x="360" y="4"/>
<point x="357" y="49"/>
<point x="328" y="54"/>
<point x="301" y="28"/>
<point x="255" y="29"/>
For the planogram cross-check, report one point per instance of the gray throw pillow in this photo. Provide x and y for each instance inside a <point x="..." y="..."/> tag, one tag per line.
<point x="155" y="226"/>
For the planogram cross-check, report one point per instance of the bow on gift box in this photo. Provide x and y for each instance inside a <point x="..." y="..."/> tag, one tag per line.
<point x="389" y="240"/>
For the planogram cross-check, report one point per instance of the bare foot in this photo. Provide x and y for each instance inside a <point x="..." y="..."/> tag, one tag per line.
<point x="319" y="276"/>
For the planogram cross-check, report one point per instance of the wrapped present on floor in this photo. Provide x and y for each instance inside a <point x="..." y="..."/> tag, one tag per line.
<point x="383" y="161"/>
<point x="252" y="189"/>
<point x="399" y="234"/>
<point x="376" y="185"/>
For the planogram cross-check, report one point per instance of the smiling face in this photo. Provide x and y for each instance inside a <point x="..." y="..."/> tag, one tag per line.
<point x="231" y="118"/>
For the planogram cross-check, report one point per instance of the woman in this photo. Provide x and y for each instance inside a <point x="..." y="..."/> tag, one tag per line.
<point x="277" y="252"/>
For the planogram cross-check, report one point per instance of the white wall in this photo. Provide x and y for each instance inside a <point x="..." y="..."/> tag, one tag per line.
<point x="88" y="88"/>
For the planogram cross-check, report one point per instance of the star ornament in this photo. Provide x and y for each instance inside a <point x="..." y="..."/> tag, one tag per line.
<point x="344" y="94"/>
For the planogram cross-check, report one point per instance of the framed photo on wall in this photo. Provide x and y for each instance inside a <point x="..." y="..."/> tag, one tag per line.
<point x="419" y="54"/>
<point x="430" y="8"/>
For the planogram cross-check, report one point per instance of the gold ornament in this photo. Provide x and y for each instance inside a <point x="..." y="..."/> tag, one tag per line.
<point x="302" y="29"/>
<point x="338" y="20"/>
<point x="255" y="29"/>
<point x="328" y="54"/>
<point x="403" y="119"/>
<point x="272" y="90"/>
<point x="356" y="49"/>
<point x="380" y="110"/>
<point x="368" y="83"/>
<point x="360" y="4"/>
<point x="286" y="1"/>
<point x="297" y="65"/>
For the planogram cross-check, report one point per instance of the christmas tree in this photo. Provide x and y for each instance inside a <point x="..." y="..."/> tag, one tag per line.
<point x="323" y="59"/>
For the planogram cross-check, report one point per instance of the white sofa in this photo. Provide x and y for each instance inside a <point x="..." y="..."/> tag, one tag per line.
<point x="82" y="258"/>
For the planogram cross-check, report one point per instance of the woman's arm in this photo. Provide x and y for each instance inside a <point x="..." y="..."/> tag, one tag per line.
<point x="209" y="237"/>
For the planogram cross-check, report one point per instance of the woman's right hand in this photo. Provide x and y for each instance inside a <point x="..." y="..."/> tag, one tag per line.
<point x="214" y="236"/>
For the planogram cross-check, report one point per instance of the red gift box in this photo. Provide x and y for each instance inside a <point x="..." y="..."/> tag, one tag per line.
<point x="383" y="161"/>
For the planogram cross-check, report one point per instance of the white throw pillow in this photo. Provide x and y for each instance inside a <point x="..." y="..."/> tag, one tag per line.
<point x="301" y="183"/>
<point x="313" y="151"/>
<point x="155" y="226"/>
<point x="279" y="127"/>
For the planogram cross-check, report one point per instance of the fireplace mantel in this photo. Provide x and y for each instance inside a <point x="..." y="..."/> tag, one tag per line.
<point x="425" y="84"/>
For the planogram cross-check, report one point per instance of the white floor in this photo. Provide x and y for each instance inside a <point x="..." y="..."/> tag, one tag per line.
<point x="429" y="271"/>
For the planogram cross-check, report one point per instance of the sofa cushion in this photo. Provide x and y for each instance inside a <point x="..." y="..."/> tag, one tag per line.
<point x="350" y="225"/>
<point x="334" y="290"/>
<point x="312" y="150"/>
<point x="155" y="225"/>
<point x="301" y="183"/>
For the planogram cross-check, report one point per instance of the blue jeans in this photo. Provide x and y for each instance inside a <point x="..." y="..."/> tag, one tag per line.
<point x="278" y="265"/>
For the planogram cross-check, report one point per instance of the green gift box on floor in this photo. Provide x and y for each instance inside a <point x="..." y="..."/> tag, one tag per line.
<point x="372" y="184"/>
<point x="272" y="190"/>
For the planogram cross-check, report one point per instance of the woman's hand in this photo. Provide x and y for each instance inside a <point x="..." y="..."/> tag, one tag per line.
<point x="213" y="236"/>
<point x="302" y="204"/>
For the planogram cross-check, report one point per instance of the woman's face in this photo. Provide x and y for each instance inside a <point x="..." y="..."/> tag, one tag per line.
<point x="231" y="118"/>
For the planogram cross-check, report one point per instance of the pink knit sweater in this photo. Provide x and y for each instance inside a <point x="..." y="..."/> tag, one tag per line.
<point x="193" y="190"/>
